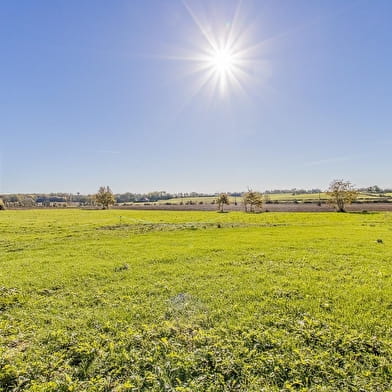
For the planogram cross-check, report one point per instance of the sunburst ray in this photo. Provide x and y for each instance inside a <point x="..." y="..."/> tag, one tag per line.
<point x="225" y="55"/>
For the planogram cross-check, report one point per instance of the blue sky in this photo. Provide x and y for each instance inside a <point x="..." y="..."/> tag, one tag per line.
<point x="101" y="93"/>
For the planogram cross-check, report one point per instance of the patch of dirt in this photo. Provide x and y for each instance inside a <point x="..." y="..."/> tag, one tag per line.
<point x="139" y="228"/>
<point x="282" y="207"/>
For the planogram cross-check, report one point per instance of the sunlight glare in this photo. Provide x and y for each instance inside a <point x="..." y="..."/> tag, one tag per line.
<point x="222" y="61"/>
<point x="226" y="59"/>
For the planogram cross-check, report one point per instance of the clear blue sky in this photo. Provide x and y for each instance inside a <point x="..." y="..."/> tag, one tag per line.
<point x="97" y="93"/>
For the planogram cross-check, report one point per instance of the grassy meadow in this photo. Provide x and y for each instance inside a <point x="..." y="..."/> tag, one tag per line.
<point x="195" y="301"/>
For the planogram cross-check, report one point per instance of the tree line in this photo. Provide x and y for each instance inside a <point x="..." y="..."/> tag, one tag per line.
<point x="340" y="193"/>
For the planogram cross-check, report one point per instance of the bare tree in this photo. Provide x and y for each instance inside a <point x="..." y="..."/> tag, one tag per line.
<point x="222" y="199"/>
<point x="104" y="197"/>
<point x="252" y="199"/>
<point x="341" y="193"/>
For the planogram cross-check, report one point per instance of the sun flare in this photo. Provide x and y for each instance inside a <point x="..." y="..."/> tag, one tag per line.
<point x="222" y="61"/>
<point x="225" y="58"/>
<point x="222" y="67"/>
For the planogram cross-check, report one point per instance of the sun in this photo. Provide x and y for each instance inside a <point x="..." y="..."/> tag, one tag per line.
<point x="222" y="61"/>
<point x="225" y="58"/>
<point x="222" y="67"/>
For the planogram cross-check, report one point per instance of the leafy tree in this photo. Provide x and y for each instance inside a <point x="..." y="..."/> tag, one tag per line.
<point x="374" y="189"/>
<point x="341" y="193"/>
<point x="27" y="201"/>
<point x="222" y="199"/>
<point x="2" y="205"/>
<point x="104" y="197"/>
<point x="252" y="199"/>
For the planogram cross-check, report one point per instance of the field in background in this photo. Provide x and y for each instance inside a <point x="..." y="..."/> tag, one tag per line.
<point x="195" y="301"/>
<point x="273" y="197"/>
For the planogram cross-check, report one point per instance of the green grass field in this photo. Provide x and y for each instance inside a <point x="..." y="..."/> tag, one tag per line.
<point x="195" y="301"/>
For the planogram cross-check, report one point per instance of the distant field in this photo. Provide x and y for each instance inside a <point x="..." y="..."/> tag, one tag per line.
<point x="197" y="200"/>
<point x="124" y="300"/>
<point x="280" y="197"/>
